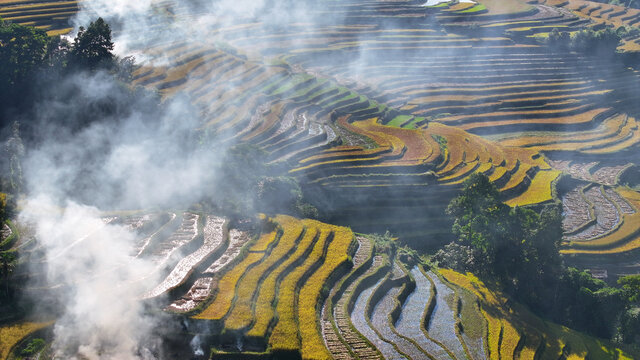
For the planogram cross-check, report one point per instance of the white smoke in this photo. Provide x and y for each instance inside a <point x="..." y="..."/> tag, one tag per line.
<point x="139" y="25"/>
<point x="88" y="260"/>
<point x="135" y="158"/>
<point x="196" y="346"/>
<point x="140" y="158"/>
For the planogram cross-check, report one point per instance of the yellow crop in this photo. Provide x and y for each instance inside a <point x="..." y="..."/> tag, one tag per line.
<point x="226" y="289"/>
<point x="285" y="335"/>
<point x="312" y="343"/>
<point x="500" y="315"/>
<point x="538" y="191"/>
<point x="227" y="284"/>
<point x="242" y="312"/>
<point x="267" y="293"/>
<point x="12" y="334"/>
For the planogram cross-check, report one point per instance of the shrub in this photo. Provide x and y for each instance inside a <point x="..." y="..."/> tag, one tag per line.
<point x="599" y="43"/>
<point x="559" y="40"/>
<point x="33" y="347"/>
<point x="456" y="257"/>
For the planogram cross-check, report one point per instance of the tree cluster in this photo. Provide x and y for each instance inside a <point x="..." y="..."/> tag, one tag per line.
<point x="516" y="246"/>
<point x="517" y="249"/>
<point x="590" y="42"/>
<point x="28" y="55"/>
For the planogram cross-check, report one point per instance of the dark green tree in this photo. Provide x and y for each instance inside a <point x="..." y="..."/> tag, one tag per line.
<point x="7" y="265"/>
<point x="598" y="43"/>
<point x="587" y="304"/>
<point x="630" y="326"/>
<point x="3" y="209"/>
<point x="478" y="214"/>
<point x="631" y="286"/>
<point x="92" y="47"/>
<point x="22" y="50"/>
<point x="559" y="40"/>
<point x="516" y="246"/>
<point x="58" y="49"/>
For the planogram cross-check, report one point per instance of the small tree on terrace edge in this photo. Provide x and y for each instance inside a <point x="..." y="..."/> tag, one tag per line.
<point x="92" y="47"/>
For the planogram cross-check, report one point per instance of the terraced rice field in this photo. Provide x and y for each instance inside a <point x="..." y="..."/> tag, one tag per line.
<point x="381" y="110"/>
<point x="425" y="313"/>
<point x="295" y="125"/>
<point x="410" y="128"/>
<point x="52" y="16"/>
<point x="363" y="325"/>
<point x="213" y="237"/>
<point x="608" y="14"/>
<point x="267" y="294"/>
<point x="412" y="319"/>
<point x="272" y="292"/>
<point x="356" y="345"/>
<point x="507" y="324"/>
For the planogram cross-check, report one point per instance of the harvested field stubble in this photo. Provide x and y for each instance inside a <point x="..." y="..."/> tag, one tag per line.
<point x="625" y="238"/>
<point x="358" y="344"/>
<point x="337" y="346"/>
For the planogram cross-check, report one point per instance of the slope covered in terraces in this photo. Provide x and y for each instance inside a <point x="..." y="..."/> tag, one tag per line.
<point x="381" y="110"/>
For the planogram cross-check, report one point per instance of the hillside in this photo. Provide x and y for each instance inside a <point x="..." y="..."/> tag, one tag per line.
<point x="379" y="110"/>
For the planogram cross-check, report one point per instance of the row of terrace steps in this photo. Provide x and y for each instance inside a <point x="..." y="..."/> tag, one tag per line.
<point x="592" y="212"/>
<point x="615" y="133"/>
<point x="610" y="14"/>
<point x="51" y="15"/>
<point x="212" y="241"/>
<point x="415" y="315"/>
<point x="186" y="256"/>
<point x="262" y="118"/>
<point x="260" y="298"/>
<point x="593" y="171"/>
<point x="578" y="101"/>
<point x="334" y="341"/>
<point x="358" y="344"/>
<point x="224" y="246"/>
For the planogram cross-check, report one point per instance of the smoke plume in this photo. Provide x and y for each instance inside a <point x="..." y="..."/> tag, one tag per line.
<point x="134" y="157"/>
<point x="135" y="154"/>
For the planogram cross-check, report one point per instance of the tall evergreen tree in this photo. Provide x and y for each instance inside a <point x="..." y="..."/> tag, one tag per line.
<point x="92" y="47"/>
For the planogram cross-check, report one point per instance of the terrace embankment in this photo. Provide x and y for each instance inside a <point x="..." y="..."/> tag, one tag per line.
<point x="440" y="314"/>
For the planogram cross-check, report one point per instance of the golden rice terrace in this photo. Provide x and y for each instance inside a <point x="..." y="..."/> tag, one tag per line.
<point x="381" y="110"/>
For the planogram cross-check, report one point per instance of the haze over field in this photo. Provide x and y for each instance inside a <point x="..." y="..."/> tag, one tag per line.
<point x="495" y="139"/>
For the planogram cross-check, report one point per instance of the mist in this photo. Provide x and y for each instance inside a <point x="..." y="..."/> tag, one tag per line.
<point x="140" y="155"/>
<point x="88" y="259"/>
<point x="96" y="147"/>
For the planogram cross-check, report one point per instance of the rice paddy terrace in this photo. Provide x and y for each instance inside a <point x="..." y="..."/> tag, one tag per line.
<point x="306" y="288"/>
<point x="381" y="109"/>
<point x="404" y="101"/>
